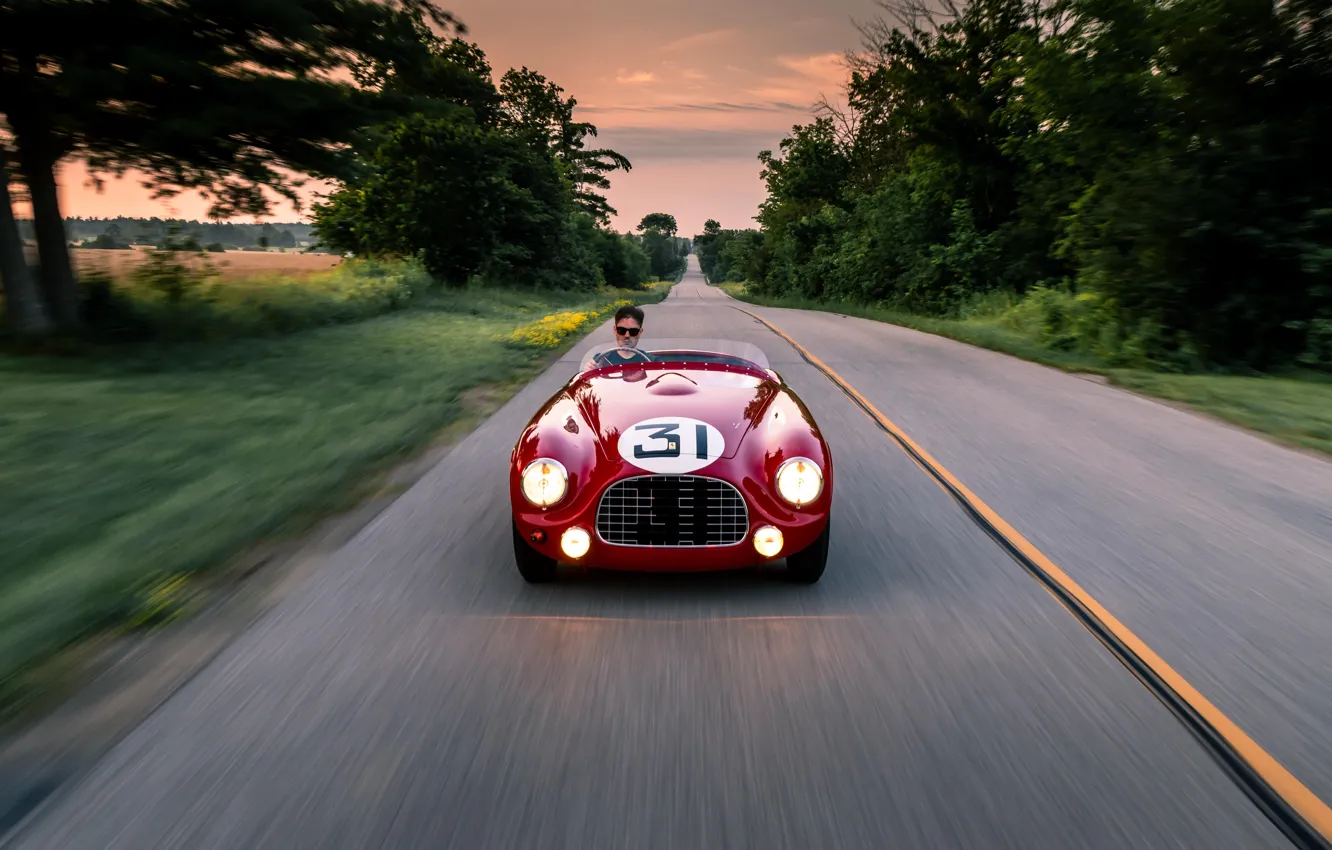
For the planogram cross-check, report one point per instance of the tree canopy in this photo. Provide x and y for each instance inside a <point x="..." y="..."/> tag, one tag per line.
<point x="658" y="221"/>
<point x="245" y="100"/>
<point x="505" y="192"/>
<point x="665" y="250"/>
<point x="232" y="99"/>
<point x="1164" y="163"/>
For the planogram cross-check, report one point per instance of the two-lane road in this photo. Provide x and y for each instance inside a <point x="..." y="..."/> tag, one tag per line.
<point x="927" y="693"/>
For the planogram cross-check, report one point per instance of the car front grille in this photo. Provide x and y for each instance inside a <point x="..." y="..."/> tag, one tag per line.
<point x="672" y="510"/>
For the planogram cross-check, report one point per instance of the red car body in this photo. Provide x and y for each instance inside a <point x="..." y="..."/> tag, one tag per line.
<point x="760" y="420"/>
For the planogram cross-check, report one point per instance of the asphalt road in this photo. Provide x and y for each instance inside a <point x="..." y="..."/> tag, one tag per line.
<point x="926" y="694"/>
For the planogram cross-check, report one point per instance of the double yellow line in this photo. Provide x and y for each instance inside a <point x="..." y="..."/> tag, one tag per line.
<point x="1300" y="814"/>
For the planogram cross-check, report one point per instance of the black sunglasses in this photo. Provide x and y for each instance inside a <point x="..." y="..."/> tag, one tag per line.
<point x="631" y="331"/>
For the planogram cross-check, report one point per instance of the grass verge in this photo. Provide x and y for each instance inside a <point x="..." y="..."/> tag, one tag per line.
<point x="126" y="475"/>
<point x="1295" y="410"/>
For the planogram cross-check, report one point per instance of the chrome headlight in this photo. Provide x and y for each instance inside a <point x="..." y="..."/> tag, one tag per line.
<point x="799" y="481"/>
<point x="545" y="481"/>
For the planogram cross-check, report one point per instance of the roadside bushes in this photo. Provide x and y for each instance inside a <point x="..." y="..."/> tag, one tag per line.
<point x="1055" y="318"/>
<point x="551" y="331"/>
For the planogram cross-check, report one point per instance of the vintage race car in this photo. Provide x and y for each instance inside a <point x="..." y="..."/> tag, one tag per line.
<point x="685" y="455"/>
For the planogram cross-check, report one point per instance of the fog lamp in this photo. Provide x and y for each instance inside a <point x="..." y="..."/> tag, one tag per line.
<point x="575" y="542"/>
<point x="768" y="541"/>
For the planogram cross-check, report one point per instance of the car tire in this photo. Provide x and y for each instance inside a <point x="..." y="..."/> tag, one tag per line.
<point x="807" y="565"/>
<point x="534" y="567"/>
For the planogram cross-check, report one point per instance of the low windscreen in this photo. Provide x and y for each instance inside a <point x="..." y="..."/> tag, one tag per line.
<point x="722" y="351"/>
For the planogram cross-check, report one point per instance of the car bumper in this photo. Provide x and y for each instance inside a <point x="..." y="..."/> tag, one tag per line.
<point x="799" y="528"/>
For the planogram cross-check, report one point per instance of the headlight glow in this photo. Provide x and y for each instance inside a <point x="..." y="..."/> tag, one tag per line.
<point x="575" y="542"/>
<point x="799" y="481"/>
<point x="545" y="482"/>
<point x="768" y="541"/>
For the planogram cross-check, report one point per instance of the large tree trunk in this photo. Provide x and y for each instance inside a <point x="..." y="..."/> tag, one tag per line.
<point x="39" y="148"/>
<point x="23" y="304"/>
<point x="57" y="274"/>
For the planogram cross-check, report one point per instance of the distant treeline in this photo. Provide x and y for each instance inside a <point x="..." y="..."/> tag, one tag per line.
<point x="122" y="231"/>
<point x="1152" y="179"/>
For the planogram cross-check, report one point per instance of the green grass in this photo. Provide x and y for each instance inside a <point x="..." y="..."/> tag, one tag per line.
<point x="122" y="472"/>
<point x="984" y="332"/>
<point x="1295" y="410"/>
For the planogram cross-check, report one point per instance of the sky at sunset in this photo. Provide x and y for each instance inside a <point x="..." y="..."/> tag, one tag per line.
<point x="690" y="91"/>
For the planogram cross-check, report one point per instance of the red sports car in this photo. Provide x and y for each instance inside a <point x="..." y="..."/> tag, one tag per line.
<point x="692" y="455"/>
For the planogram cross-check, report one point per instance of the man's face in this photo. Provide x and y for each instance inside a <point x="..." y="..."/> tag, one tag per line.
<point x="627" y="332"/>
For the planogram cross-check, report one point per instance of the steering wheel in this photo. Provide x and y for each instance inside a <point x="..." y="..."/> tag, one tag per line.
<point x="622" y="357"/>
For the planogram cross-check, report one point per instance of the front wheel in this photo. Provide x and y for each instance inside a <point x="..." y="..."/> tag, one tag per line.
<point x="534" y="567"/>
<point x="807" y="565"/>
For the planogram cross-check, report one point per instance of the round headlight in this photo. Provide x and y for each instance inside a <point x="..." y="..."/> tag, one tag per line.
<point x="545" y="482"/>
<point x="799" y="481"/>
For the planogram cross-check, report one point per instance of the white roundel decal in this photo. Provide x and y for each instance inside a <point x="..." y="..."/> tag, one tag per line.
<point x="671" y="445"/>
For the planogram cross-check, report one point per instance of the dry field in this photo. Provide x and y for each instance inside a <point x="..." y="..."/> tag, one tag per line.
<point x="233" y="265"/>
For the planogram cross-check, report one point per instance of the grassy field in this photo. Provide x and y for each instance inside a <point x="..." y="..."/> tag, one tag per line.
<point x="232" y="265"/>
<point x="1296" y="410"/>
<point x="125" y="472"/>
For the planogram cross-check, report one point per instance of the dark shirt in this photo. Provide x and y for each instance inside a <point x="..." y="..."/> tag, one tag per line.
<point x="622" y="357"/>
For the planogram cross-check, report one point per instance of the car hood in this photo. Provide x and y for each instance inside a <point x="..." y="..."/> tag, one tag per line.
<point x="732" y="402"/>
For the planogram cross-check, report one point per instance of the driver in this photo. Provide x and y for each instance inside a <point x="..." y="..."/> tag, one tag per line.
<point x="628" y="327"/>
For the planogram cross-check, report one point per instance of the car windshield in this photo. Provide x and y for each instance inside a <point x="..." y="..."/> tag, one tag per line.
<point x="723" y="351"/>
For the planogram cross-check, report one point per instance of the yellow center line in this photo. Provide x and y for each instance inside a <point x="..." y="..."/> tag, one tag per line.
<point x="1280" y="781"/>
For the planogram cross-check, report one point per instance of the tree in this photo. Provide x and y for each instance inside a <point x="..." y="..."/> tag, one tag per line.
<point x="24" y="307"/>
<point x="534" y="106"/>
<point x="622" y="261"/>
<point x="660" y="244"/>
<point x="228" y="98"/>
<point x="589" y="170"/>
<point x="663" y="222"/>
<point x="455" y="72"/>
<point x="482" y="181"/>
<point x="463" y="197"/>
<point x="707" y="245"/>
<point x="722" y="254"/>
<point x="811" y="171"/>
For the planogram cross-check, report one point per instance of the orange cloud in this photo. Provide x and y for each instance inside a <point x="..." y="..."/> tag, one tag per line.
<point x="808" y="78"/>
<point x="637" y="78"/>
<point x="823" y="66"/>
<point x="710" y="38"/>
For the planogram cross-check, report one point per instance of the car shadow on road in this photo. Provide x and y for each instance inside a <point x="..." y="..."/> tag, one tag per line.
<point x="611" y="594"/>
<point x="727" y="581"/>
